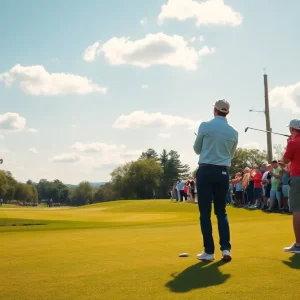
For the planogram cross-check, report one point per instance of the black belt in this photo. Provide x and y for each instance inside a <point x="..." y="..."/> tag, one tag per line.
<point x="210" y="165"/>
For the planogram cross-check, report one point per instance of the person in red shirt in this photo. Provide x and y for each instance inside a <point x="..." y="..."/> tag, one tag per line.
<point x="292" y="156"/>
<point x="257" y="178"/>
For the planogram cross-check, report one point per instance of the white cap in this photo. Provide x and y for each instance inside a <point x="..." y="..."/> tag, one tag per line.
<point x="222" y="106"/>
<point x="294" y="124"/>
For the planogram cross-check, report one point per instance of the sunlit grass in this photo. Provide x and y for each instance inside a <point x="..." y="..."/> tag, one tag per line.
<point x="129" y="250"/>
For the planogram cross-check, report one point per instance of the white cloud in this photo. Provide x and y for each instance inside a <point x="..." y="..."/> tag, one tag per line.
<point x="164" y="135"/>
<point x="14" y="122"/>
<point x="201" y="38"/>
<point x="74" y="126"/>
<point x="141" y="119"/>
<point x="143" y="21"/>
<point x="1" y="137"/>
<point x="145" y="86"/>
<point x="154" y="49"/>
<point x="67" y="158"/>
<point x="209" y="12"/>
<point x="96" y="147"/>
<point x="35" y="80"/>
<point x="91" y="52"/>
<point x="251" y="145"/>
<point x="33" y="150"/>
<point x="287" y="97"/>
<point x="205" y="51"/>
<point x="100" y="155"/>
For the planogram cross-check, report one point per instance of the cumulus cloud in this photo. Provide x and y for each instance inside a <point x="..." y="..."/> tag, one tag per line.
<point x="67" y="158"/>
<point x="14" y="122"/>
<point x="251" y="145"/>
<point x="96" y="147"/>
<point x="154" y="49"/>
<point x="100" y="155"/>
<point x="209" y="12"/>
<point x="287" y="97"/>
<point x="145" y="86"/>
<point x="91" y="52"/>
<point x="33" y="150"/>
<point x="164" y="135"/>
<point x="141" y="119"/>
<point x="35" y="80"/>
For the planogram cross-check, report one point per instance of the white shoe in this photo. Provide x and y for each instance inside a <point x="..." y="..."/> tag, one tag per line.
<point x="226" y="256"/>
<point x="205" y="256"/>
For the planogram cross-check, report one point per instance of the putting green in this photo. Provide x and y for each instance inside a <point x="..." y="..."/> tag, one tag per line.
<point x="129" y="250"/>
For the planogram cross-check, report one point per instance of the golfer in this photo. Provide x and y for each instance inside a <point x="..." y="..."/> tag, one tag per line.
<point x="216" y="143"/>
<point x="292" y="155"/>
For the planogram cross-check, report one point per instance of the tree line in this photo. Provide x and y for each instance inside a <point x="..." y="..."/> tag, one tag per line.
<point x="150" y="176"/>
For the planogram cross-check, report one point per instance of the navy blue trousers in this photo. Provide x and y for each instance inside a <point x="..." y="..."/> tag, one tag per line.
<point x="213" y="183"/>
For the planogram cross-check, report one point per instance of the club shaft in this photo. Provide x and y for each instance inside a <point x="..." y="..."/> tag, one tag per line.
<point x="269" y="131"/>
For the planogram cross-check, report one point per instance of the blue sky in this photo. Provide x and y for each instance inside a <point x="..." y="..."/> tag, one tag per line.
<point x="149" y="78"/>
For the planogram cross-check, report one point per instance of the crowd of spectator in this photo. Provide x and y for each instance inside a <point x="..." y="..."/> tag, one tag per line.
<point x="184" y="190"/>
<point x="264" y="187"/>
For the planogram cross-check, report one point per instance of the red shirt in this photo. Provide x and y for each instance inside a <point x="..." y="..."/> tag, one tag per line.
<point x="292" y="152"/>
<point x="257" y="180"/>
<point x="185" y="189"/>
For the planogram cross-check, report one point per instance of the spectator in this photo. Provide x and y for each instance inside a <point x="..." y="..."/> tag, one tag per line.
<point x="257" y="179"/>
<point x="275" y="180"/>
<point x="285" y="177"/>
<point x="266" y="181"/>
<point x="185" y="190"/>
<point x="180" y="189"/>
<point x="248" y="188"/>
<point x="238" y="182"/>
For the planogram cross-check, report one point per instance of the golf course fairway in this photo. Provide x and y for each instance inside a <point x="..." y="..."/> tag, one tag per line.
<point x="129" y="250"/>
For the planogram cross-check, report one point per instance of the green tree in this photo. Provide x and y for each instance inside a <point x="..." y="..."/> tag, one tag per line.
<point x="12" y="185"/>
<point x="144" y="177"/>
<point x="246" y="158"/>
<point x="175" y="168"/>
<point x="23" y="192"/>
<point x="83" y="194"/>
<point x="34" y="196"/>
<point x="149" y="154"/>
<point x="121" y="182"/>
<point x="105" y="193"/>
<point x="3" y="184"/>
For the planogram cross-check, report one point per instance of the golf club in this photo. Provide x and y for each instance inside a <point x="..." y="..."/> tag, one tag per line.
<point x="266" y="131"/>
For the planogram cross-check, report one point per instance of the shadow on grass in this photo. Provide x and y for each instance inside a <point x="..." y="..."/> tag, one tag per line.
<point x="294" y="262"/>
<point x="200" y="275"/>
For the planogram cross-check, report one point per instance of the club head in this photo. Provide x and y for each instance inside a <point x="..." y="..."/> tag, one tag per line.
<point x="246" y="129"/>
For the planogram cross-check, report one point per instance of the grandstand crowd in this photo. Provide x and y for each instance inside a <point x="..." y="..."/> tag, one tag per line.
<point x="263" y="187"/>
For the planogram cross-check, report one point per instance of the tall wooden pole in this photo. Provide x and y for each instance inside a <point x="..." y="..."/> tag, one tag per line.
<point x="268" y="122"/>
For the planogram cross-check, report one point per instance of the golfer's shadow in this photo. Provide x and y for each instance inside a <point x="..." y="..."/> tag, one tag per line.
<point x="200" y="275"/>
<point x="294" y="262"/>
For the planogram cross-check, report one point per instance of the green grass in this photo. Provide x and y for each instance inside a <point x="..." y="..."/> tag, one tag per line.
<point x="129" y="250"/>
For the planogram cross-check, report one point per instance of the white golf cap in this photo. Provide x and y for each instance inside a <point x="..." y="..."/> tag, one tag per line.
<point x="294" y="124"/>
<point x="222" y="106"/>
